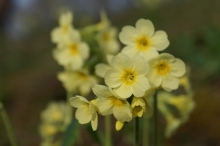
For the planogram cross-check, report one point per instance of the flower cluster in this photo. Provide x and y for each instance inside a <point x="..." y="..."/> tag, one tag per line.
<point x="78" y="51"/>
<point x="52" y="121"/>
<point x="71" y="52"/>
<point x="131" y="76"/>
<point x="176" y="107"/>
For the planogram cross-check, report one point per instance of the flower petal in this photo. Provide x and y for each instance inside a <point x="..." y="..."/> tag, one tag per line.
<point x="112" y="78"/>
<point x="56" y="34"/>
<point x="101" y="91"/>
<point x="105" y="106"/>
<point x="128" y="35"/>
<point x="170" y="82"/>
<point x="101" y="69"/>
<point x="113" y="46"/>
<point x="84" y="50"/>
<point x="159" y="40"/>
<point x="140" y="86"/>
<point x="140" y="66"/>
<point x="123" y="113"/>
<point x="121" y="62"/>
<point x="149" y="54"/>
<point x="66" y="18"/>
<point x="78" y="101"/>
<point x="123" y="91"/>
<point x="76" y="62"/>
<point x="131" y="51"/>
<point x="178" y="68"/>
<point x="83" y="114"/>
<point x="145" y="27"/>
<point x="85" y="88"/>
<point x="166" y="56"/>
<point x="94" y="122"/>
<point x="154" y="78"/>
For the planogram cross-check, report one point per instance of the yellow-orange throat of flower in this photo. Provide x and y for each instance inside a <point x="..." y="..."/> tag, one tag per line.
<point x="73" y="49"/>
<point x="128" y="77"/>
<point x="162" y="68"/>
<point x="65" y="29"/>
<point x="117" y="102"/>
<point x="143" y="43"/>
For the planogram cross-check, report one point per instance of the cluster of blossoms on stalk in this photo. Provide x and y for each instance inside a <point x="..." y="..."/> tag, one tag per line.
<point x="131" y="76"/>
<point x="52" y="121"/>
<point x="176" y="107"/>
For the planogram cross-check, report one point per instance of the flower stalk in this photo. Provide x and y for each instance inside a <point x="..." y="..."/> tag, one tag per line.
<point x="108" y="136"/>
<point x="7" y="125"/>
<point x="155" y="119"/>
<point x="137" y="133"/>
<point x="69" y="110"/>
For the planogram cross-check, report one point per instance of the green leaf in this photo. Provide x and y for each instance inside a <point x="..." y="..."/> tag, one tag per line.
<point x="97" y="136"/>
<point x="71" y="133"/>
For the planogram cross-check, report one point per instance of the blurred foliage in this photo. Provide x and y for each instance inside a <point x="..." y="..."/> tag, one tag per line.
<point x="71" y="134"/>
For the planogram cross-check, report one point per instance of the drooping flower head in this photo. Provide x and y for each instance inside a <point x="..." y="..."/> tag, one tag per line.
<point x="165" y="71"/>
<point x="73" y="52"/>
<point x="86" y="111"/>
<point x="110" y="103"/>
<point x="143" y="40"/>
<point x="127" y="76"/>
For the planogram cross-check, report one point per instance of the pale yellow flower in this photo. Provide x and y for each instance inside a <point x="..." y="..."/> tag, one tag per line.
<point x="104" y="23"/>
<point x="138" y="106"/>
<point x="73" y="52"/>
<point x="110" y="103"/>
<point x="184" y="104"/>
<point x="79" y="81"/>
<point x="107" y="39"/>
<point x="60" y="34"/>
<point x="127" y="76"/>
<point x="86" y="111"/>
<point x="143" y="40"/>
<point x="165" y="71"/>
<point x="54" y="112"/>
<point x="172" y="125"/>
<point x="48" y="130"/>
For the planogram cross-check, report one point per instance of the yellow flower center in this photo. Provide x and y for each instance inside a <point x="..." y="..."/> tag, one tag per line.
<point x="106" y="37"/>
<point x="128" y="77"/>
<point x="73" y="49"/>
<point x="56" y="116"/>
<point x="143" y="43"/>
<point x="162" y="68"/>
<point x="117" y="102"/>
<point x="82" y="75"/>
<point x="65" y="29"/>
<point x="50" y="130"/>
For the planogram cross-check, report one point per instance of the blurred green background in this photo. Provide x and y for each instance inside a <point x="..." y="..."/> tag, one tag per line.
<point x="28" y="71"/>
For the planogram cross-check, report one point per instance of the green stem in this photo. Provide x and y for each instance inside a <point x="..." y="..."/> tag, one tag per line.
<point x="69" y="111"/>
<point x="137" y="133"/>
<point x="7" y="125"/>
<point x="145" y="138"/>
<point x="155" y="119"/>
<point x="108" y="138"/>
